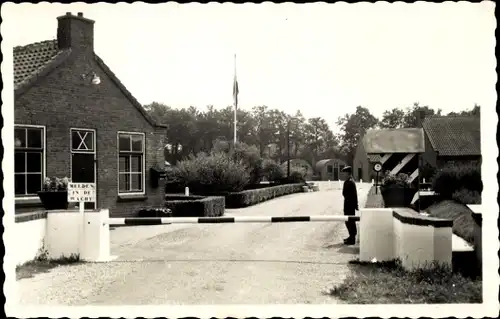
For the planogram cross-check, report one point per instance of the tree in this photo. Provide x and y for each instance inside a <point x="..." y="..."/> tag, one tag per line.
<point x="263" y="131"/>
<point x="297" y="138"/>
<point x="316" y="134"/>
<point x="393" y="118"/>
<point x="475" y="111"/>
<point x="354" y="126"/>
<point x="412" y="113"/>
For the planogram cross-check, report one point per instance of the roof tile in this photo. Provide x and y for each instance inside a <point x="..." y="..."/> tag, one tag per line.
<point x="30" y="59"/>
<point x="454" y="135"/>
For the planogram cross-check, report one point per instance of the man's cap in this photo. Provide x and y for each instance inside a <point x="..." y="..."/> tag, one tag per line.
<point x="347" y="169"/>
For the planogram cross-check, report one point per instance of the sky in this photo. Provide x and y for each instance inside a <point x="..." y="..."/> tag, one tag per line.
<point x="322" y="59"/>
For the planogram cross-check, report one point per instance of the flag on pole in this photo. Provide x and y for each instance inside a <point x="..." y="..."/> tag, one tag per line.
<point x="235" y="99"/>
<point x="235" y="86"/>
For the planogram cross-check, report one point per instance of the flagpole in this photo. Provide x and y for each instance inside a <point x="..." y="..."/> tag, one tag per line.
<point x="235" y="106"/>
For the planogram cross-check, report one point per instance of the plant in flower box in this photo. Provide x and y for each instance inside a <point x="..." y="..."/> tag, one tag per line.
<point x="396" y="190"/>
<point x="54" y="194"/>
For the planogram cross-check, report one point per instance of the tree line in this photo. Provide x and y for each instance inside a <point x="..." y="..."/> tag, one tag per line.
<point x="191" y="130"/>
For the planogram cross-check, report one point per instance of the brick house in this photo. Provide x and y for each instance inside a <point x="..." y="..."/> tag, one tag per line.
<point x="398" y="150"/>
<point x="451" y="139"/>
<point x="74" y="118"/>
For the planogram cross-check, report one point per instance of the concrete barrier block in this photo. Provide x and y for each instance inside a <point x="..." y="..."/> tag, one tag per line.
<point x="416" y="246"/>
<point x="376" y="234"/>
<point x="63" y="233"/>
<point x="419" y="240"/>
<point x="443" y="245"/>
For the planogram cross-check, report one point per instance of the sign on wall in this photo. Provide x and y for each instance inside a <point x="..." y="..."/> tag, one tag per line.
<point x="81" y="192"/>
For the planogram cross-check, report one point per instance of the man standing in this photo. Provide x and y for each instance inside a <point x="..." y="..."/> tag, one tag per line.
<point x="350" y="205"/>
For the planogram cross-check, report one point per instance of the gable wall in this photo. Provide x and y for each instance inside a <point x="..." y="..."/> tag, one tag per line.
<point x="63" y="100"/>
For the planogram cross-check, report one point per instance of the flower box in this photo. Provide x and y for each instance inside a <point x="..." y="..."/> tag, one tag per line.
<point x="54" y="200"/>
<point x="396" y="190"/>
<point x="397" y="196"/>
<point x="55" y="193"/>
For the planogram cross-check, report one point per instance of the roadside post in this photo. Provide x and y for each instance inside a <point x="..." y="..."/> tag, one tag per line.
<point x="377" y="168"/>
<point x="81" y="193"/>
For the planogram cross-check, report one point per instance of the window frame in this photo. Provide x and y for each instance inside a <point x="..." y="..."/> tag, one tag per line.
<point x="44" y="159"/>
<point x="93" y="151"/>
<point x="131" y="153"/>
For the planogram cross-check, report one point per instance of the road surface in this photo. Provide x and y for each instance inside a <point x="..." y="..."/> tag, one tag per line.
<point x="213" y="263"/>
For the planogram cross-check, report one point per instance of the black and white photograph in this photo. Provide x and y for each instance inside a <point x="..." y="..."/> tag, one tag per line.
<point x="257" y="159"/>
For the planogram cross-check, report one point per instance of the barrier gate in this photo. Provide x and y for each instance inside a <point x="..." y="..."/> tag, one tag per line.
<point x="384" y="233"/>
<point x="142" y="221"/>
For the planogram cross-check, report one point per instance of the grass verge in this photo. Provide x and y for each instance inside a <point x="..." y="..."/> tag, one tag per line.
<point x="40" y="265"/>
<point x="388" y="282"/>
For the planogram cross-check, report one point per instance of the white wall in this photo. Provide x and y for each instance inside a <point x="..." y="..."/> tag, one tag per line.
<point x="29" y="237"/>
<point x="384" y="237"/>
<point x="63" y="233"/>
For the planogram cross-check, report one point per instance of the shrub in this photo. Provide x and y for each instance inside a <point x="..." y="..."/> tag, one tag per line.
<point x="466" y="196"/>
<point x="400" y="180"/>
<point x="427" y="171"/>
<point x="297" y="174"/>
<point x="248" y="155"/>
<point x="453" y="178"/>
<point x="195" y="206"/>
<point x="154" y="212"/>
<point x="255" y="196"/>
<point x="55" y="184"/>
<point x="216" y="173"/>
<point x="272" y="170"/>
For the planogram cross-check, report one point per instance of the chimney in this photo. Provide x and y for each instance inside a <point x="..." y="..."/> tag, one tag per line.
<point x="75" y="32"/>
<point x="420" y="118"/>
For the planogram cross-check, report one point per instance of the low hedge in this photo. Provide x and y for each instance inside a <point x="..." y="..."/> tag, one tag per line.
<point x="453" y="178"/>
<point x="195" y="206"/>
<point x="254" y="196"/>
<point x="154" y="212"/>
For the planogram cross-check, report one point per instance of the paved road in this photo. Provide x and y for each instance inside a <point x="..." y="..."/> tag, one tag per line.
<point x="213" y="264"/>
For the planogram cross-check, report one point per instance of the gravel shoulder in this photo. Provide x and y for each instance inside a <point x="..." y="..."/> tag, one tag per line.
<point x="213" y="264"/>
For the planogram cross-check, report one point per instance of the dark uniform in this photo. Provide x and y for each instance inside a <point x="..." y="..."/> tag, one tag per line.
<point x="350" y="206"/>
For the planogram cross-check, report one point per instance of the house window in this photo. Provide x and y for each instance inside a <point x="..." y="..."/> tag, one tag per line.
<point x="29" y="157"/>
<point x="329" y="169"/>
<point x="131" y="163"/>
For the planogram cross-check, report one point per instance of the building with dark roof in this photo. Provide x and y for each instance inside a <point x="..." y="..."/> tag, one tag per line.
<point x="73" y="117"/>
<point x="438" y="141"/>
<point x="331" y="169"/>
<point x="396" y="149"/>
<point x="452" y="139"/>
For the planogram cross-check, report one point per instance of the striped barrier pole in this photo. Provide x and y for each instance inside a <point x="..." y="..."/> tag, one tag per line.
<point x="221" y="220"/>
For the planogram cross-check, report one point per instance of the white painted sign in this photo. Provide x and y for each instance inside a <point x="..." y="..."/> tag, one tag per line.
<point x="81" y="192"/>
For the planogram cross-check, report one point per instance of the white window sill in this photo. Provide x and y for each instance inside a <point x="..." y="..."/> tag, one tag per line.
<point x="131" y="197"/>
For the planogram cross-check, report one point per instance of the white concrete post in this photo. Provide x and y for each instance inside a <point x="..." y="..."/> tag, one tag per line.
<point x="63" y="229"/>
<point x="186" y="191"/>
<point x="376" y="234"/>
<point x="96" y="241"/>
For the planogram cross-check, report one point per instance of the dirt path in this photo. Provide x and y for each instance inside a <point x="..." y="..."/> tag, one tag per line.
<point x="226" y="263"/>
